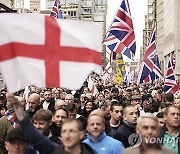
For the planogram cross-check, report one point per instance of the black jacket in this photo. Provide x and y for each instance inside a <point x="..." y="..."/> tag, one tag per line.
<point x="51" y="105"/>
<point x="85" y="149"/>
<point x="123" y="133"/>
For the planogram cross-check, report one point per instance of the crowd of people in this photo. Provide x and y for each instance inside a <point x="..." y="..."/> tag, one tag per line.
<point x="117" y="119"/>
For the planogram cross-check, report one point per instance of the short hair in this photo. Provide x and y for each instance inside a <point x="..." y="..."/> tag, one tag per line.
<point x="61" y="108"/>
<point x="147" y="115"/>
<point x="127" y="106"/>
<point x="113" y="105"/>
<point x="166" y="111"/>
<point x="71" y="107"/>
<point x="169" y="97"/>
<point x="70" y="120"/>
<point x="107" y="104"/>
<point x="102" y="118"/>
<point x="43" y="114"/>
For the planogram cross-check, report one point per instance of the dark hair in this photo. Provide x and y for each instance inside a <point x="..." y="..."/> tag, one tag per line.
<point x="169" y="97"/>
<point x="160" y="115"/>
<point x="60" y="151"/>
<point x="64" y="109"/>
<point x="71" y="107"/>
<point x="114" y="104"/>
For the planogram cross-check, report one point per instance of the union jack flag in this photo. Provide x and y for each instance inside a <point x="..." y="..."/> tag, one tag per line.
<point x="56" y="10"/>
<point x="170" y="84"/>
<point x="150" y="67"/>
<point x="120" y="37"/>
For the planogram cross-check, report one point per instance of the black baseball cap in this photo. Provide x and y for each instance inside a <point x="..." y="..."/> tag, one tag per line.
<point x="15" y="133"/>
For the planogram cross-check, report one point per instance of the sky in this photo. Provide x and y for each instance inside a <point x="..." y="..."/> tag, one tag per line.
<point x="138" y="10"/>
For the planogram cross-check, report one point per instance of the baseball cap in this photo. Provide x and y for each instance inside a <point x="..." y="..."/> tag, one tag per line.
<point x="15" y="133"/>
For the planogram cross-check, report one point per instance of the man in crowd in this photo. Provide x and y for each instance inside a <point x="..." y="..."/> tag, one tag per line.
<point x="148" y="128"/>
<point x="171" y="131"/>
<point x="71" y="133"/>
<point x="59" y="116"/>
<point x="16" y="142"/>
<point x="34" y="104"/>
<point x="7" y="122"/>
<point x="72" y="113"/>
<point x="69" y="98"/>
<point x="97" y="138"/>
<point x="130" y="115"/>
<point x="160" y="118"/>
<point x="42" y="120"/>
<point x="49" y="102"/>
<point x="59" y="104"/>
<point x="169" y="98"/>
<point x="116" y="117"/>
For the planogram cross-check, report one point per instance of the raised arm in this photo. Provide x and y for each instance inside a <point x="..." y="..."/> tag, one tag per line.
<point x="36" y="139"/>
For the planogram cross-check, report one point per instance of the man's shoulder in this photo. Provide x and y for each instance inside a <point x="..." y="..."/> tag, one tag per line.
<point x="132" y="150"/>
<point x="113" y="141"/>
<point x="166" y="151"/>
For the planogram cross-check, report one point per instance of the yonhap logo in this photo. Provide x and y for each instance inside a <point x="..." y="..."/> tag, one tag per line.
<point x="134" y="139"/>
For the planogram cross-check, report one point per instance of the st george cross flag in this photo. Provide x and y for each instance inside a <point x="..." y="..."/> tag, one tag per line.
<point x="170" y="84"/>
<point x="92" y="87"/>
<point x="47" y="52"/>
<point x="150" y="68"/>
<point x="56" y="10"/>
<point x="120" y="37"/>
<point x="107" y="71"/>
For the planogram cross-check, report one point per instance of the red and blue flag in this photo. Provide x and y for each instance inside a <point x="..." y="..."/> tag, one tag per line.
<point x="56" y="10"/>
<point x="150" y="67"/>
<point x="170" y="84"/>
<point x="120" y="37"/>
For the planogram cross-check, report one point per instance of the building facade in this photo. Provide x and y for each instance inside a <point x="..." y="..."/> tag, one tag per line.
<point x="166" y="14"/>
<point x="168" y="38"/>
<point x="35" y="6"/>
<point x="150" y="19"/>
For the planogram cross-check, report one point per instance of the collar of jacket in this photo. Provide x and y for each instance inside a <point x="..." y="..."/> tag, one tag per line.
<point x="100" y="137"/>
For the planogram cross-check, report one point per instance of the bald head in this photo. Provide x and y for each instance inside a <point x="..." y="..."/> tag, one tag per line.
<point x="60" y="104"/>
<point x="34" y="101"/>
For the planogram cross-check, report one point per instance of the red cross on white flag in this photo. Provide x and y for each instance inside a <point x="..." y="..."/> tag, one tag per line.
<point x="47" y="52"/>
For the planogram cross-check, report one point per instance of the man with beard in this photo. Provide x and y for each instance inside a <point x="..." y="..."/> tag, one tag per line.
<point x="49" y="102"/>
<point x="34" y="104"/>
<point x="171" y="131"/>
<point x="115" y="95"/>
<point x="148" y="129"/>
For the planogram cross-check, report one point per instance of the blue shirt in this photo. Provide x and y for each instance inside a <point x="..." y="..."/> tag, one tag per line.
<point x="105" y="144"/>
